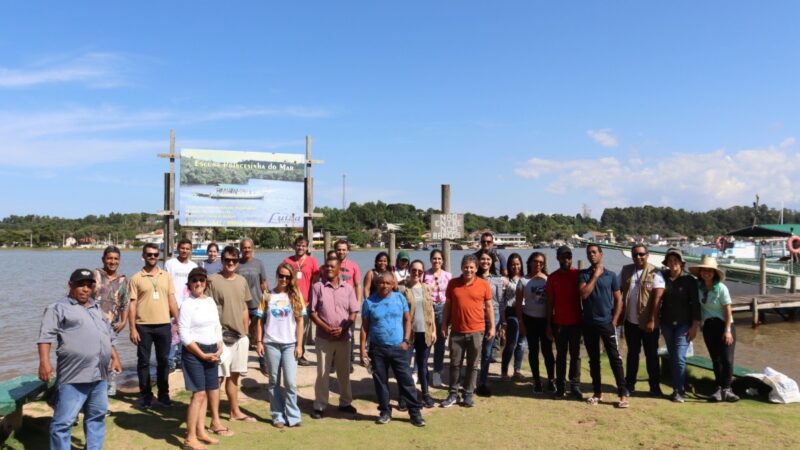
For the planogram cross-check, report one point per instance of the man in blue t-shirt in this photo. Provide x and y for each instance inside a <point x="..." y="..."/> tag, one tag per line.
<point x="602" y="305"/>
<point x="386" y="325"/>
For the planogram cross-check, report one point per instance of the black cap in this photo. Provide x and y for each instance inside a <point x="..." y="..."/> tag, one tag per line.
<point x="197" y="271"/>
<point x="673" y="251"/>
<point x="563" y="249"/>
<point x="81" y="275"/>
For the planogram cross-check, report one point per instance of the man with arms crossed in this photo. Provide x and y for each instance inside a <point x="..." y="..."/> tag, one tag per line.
<point x="602" y="307"/>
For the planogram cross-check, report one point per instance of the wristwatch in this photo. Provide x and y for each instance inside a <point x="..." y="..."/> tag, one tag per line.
<point x="406" y="341"/>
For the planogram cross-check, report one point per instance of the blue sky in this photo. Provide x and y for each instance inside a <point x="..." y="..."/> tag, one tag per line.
<point x="519" y="106"/>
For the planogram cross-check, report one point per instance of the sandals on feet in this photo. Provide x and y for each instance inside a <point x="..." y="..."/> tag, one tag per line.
<point x="207" y="439"/>
<point x="593" y="400"/>
<point x="224" y="431"/>
<point x="243" y="419"/>
<point x="623" y="404"/>
<point x="192" y="445"/>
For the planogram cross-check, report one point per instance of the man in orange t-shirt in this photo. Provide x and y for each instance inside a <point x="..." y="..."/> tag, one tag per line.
<point x="469" y="300"/>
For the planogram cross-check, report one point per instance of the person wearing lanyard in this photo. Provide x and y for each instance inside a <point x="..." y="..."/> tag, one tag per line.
<point x="152" y="303"/>
<point x="306" y="269"/>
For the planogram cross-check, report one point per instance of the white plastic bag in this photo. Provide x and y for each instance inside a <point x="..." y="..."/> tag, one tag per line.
<point x="784" y="389"/>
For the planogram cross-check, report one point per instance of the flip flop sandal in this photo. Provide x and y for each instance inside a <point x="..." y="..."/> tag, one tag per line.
<point x="208" y="440"/>
<point x="243" y="419"/>
<point x="225" y="431"/>
<point x="593" y="400"/>
<point x="623" y="404"/>
<point x="192" y="445"/>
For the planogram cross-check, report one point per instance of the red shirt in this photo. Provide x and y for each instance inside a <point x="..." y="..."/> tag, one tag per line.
<point x="467" y="304"/>
<point x="305" y="272"/>
<point x="562" y="287"/>
<point x="349" y="272"/>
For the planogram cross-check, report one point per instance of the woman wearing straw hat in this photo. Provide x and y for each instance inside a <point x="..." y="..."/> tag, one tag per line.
<point x="718" y="331"/>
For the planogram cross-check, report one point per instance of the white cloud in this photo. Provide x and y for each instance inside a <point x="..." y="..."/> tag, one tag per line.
<point x="98" y="70"/>
<point x="80" y="135"/>
<point x="604" y="137"/>
<point x="717" y="178"/>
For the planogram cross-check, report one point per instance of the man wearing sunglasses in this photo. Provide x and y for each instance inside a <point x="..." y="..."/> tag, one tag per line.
<point x="642" y="286"/>
<point x="152" y="303"/>
<point x="232" y="293"/>
<point x="498" y="260"/>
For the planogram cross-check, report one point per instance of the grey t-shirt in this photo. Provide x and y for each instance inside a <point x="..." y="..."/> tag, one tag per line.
<point x="419" y="311"/>
<point x="83" y="339"/>
<point x="254" y="271"/>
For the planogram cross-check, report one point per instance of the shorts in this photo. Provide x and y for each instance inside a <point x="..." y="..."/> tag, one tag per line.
<point x="200" y="375"/>
<point x="234" y="358"/>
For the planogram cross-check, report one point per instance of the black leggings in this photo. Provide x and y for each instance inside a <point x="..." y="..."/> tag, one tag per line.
<point x="721" y="354"/>
<point x="536" y="328"/>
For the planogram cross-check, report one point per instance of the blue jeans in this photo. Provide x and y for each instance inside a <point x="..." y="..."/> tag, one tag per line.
<point x="514" y="344"/>
<point x="385" y="357"/>
<point x="486" y="352"/>
<point x="677" y="345"/>
<point x="92" y="398"/>
<point x="283" y="400"/>
<point x="421" y="353"/>
<point x="438" y="346"/>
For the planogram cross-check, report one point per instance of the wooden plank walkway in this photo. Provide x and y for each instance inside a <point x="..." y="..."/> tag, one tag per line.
<point x="759" y="303"/>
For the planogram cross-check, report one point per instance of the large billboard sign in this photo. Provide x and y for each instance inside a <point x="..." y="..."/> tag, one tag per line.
<point x="223" y="188"/>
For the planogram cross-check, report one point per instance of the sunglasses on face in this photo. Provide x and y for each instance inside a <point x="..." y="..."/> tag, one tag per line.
<point x="197" y="280"/>
<point x="487" y="242"/>
<point x="151" y="255"/>
<point x="230" y="260"/>
<point x="640" y="254"/>
<point x="416" y="270"/>
<point x="284" y="277"/>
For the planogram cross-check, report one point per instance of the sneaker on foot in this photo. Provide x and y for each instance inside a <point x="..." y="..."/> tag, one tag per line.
<point x="427" y="402"/>
<point x="451" y="400"/>
<point x="676" y="397"/>
<point x="729" y="396"/>
<point x="560" y="394"/>
<point x="469" y="402"/>
<point x="655" y="393"/>
<point x="716" y="396"/>
<point x="401" y="406"/>
<point x="576" y="393"/>
<point x="303" y="361"/>
<point x="384" y="419"/>
<point x="418" y="421"/>
<point x="518" y="376"/>
<point x="316" y="414"/>
<point x="537" y="387"/>
<point x="551" y="387"/>
<point x="436" y="380"/>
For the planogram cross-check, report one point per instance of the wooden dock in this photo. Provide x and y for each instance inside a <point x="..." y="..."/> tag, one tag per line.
<point x="759" y="303"/>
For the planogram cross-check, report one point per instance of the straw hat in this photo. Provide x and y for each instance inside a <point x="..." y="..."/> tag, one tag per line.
<point x="707" y="262"/>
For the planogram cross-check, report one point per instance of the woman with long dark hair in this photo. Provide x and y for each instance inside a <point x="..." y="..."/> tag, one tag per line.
<point x="532" y="313"/>
<point x="509" y="322"/>
<point x="372" y="277"/>
<point x="437" y="278"/>
<point x="498" y="283"/>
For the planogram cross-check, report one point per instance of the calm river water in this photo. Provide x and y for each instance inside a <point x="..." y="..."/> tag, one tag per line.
<point x="33" y="279"/>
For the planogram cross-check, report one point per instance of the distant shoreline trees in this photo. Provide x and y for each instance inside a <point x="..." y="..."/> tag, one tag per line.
<point x="361" y="222"/>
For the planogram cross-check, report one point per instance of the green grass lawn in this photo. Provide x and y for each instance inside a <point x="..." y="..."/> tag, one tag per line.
<point x="512" y="418"/>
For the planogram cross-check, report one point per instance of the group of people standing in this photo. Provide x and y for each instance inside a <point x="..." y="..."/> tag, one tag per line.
<point x="215" y="309"/>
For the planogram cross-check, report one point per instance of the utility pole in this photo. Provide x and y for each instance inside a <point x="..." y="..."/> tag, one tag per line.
<point x="169" y="197"/>
<point x="308" y="219"/>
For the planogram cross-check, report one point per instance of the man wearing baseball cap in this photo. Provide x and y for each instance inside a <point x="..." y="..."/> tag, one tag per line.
<point x="85" y="355"/>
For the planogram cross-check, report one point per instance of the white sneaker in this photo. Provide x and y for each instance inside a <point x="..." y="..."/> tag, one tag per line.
<point x="437" y="380"/>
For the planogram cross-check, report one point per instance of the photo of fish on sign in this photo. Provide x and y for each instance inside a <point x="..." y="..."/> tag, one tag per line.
<point x="223" y="188"/>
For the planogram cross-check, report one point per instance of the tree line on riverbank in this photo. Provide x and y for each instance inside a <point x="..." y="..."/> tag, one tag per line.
<point x="359" y="223"/>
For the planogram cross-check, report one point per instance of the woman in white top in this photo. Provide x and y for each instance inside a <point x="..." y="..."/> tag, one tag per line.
<point x="531" y="306"/>
<point x="280" y="338"/>
<point x="509" y="322"/>
<point x="201" y="335"/>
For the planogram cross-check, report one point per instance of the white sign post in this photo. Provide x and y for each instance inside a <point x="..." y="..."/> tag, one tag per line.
<point x="447" y="226"/>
